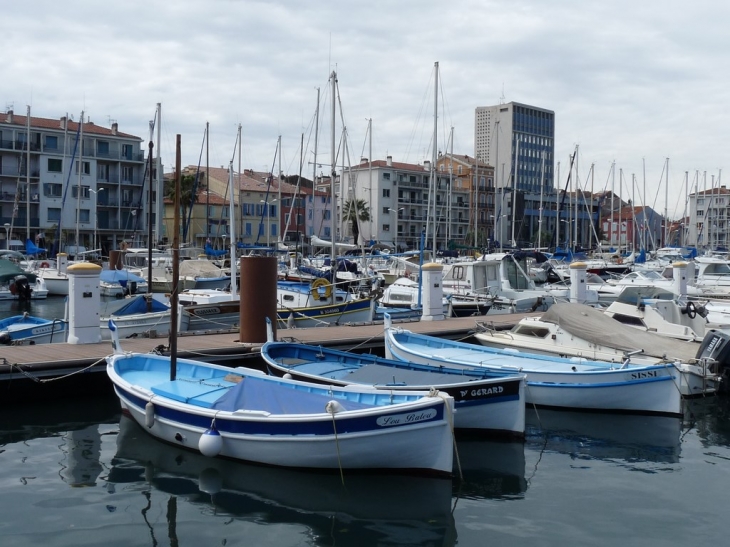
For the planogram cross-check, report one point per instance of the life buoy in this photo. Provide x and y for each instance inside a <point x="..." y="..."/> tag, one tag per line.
<point x="45" y="264"/>
<point x="324" y="285"/>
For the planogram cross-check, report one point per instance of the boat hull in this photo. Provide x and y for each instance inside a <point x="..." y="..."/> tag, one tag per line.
<point x="413" y="436"/>
<point x="486" y="404"/>
<point x="639" y="389"/>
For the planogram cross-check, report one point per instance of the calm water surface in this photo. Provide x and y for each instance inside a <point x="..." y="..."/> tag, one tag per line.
<point x="76" y="473"/>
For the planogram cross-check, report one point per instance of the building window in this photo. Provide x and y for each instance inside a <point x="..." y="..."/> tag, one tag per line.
<point x="386" y="210"/>
<point x="55" y="165"/>
<point x="84" y="216"/>
<point x="127" y="151"/>
<point x="84" y="192"/>
<point x="272" y="210"/>
<point x="54" y="214"/>
<point x="386" y="192"/>
<point x="86" y="167"/>
<point x="52" y="190"/>
<point x="51" y="142"/>
<point x="273" y="229"/>
<point x="102" y="148"/>
<point x="327" y="231"/>
<point x="248" y="229"/>
<point x="386" y="227"/>
<point x="386" y="176"/>
<point x="126" y="174"/>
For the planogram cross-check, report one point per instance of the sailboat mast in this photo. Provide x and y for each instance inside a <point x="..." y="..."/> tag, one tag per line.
<point x="27" y="176"/>
<point x="78" y="194"/>
<point x="370" y="179"/>
<point x="666" y="207"/>
<point x="451" y="182"/>
<point x="278" y="197"/>
<point x="149" y="221"/>
<point x="232" y="216"/>
<point x="159" y="193"/>
<point x="433" y="153"/>
<point x="515" y="178"/>
<point x="542" y="189"/>
<point x="333" y="260"/>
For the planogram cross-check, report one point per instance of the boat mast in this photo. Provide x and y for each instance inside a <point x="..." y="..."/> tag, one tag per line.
<point x="515" y="178"/>
<point x="370" y="180"/>
<point x="232" y="215"/>
<point x="433" y="154"/>
<point x="542" y="187"/>
<point x="160" y="190"/>
<point x="666" y="208"/>
<point x="314" y="161"/>
<point x="175" y="263"/>
<point x="27" y="177"/>
<point x="278" y="199"/>
<point x="333" y="172"/>
<point x="149" y="221"/>
<point x="78" y="195"/>
<point x="451" y="182"/>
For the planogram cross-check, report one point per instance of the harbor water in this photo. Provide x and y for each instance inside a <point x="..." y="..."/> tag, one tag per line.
<point x="78" y="473"/>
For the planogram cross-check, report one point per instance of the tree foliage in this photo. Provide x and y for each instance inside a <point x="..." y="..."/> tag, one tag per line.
<point x="354" y="212"/>
<point x="189" y="195"/>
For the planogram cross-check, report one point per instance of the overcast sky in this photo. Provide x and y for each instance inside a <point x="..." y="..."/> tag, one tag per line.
<point x="630" y="81"/>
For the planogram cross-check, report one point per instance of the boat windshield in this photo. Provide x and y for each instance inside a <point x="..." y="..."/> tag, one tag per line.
<point x="717" y="269"/>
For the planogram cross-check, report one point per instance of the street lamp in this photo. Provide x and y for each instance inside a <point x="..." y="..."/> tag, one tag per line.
<point x="395" y="237"/>
<point x="266" y="214"/>
<point x="7" y="236"/>
<point x="96" y="213"/>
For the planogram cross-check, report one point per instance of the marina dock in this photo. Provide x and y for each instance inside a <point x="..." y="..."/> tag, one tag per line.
<point x="64" y="371"/>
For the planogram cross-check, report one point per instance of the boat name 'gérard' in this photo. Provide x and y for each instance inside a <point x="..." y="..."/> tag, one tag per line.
<point x="410" y="418"/>
<point x="482" y="391"/>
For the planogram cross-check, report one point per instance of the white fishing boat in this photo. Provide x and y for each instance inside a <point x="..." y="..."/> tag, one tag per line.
<point x="26" y="329"/>
<point x="137" y="317"/>
<point x="587" y="334"/>
<point x="553" y="381"/>
<point x="484" y="401"/>
<point x="246" y="415"/>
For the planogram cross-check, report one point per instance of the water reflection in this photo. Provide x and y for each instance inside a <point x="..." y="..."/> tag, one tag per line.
<point x="367" y="510"/>
<point x="76" y="424"/>
<point x="491" y="469"/>
<point x="617" y="437"/>
<point x="710" y="417"/>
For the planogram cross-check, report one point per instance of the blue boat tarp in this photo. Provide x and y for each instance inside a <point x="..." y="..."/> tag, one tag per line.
<point x="210" y="251"/>
<point x="31" y="248"/>
<point x="120" y="276"/>
<point x="253" y="393"/>
<point x="138" y="305"/>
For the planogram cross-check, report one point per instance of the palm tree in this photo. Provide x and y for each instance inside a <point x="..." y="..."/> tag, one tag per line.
<point x="188" y="196"/>
<point x="354" y="212"/>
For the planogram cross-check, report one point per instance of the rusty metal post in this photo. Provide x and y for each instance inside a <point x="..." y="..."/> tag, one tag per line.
<point x="258" y="297"/>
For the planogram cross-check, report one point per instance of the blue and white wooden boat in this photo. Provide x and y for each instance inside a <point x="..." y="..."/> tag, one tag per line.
<point x="118" y="283"/>
<point x="137" y="318"/>
<point x="553" y="381"/>
<point x="485" y="401"/>
<point x="247" y="415"/>
<point x="27" y="329"/>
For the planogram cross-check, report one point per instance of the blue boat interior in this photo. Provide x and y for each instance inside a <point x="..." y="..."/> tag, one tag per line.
<point x="368" y="369"/>
<point x="223" y="389"/>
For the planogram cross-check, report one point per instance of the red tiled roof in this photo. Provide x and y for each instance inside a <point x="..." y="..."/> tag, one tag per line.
<point x="49" y="123"/>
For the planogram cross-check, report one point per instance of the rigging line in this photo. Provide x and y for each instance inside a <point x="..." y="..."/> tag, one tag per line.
<point x="424" y="104"/>
<point x="269" y="180"/>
